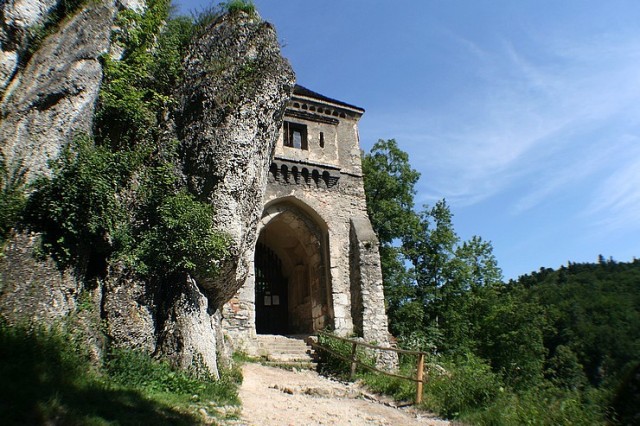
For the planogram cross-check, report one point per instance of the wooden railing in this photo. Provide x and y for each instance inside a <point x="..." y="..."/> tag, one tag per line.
<point x="354" y="362"/>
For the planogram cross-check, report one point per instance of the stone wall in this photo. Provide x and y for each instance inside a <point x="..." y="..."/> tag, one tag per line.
<point x="367" y="291"/>
<point x="33" y="289"/>
<point x="324" y="184"/>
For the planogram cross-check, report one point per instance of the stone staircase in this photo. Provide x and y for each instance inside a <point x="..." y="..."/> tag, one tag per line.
<point x="289" y="351"/>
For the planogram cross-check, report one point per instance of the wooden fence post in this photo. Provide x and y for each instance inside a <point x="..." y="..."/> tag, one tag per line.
<point x="419" y="375"/>
<point x="354" y="361"/>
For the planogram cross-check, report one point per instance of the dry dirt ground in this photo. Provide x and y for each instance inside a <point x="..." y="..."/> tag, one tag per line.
<point x="273" y="396"/>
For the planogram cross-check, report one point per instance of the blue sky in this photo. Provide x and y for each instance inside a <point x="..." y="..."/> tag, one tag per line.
<point x="523" y="115"/>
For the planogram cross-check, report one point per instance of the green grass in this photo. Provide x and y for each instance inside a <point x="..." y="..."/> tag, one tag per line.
<point x="246" y="6"/>
<point x="47" y="378"/>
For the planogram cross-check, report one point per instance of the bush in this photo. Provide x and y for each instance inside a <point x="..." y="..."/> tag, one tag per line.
<point x="399" y="389"/>
<point x="469" y="385"/>
<point x="182" y="240"/>
<point x="334" y="365"/>
<point x="78" y="208"/>
<point x="47" y="378"/>
<point x="330" y="363"/>
<point x="123" y="205"/>
<point x="246" y="6"/>
<point x="544" y="405"/>
<point x="138" y="88"/>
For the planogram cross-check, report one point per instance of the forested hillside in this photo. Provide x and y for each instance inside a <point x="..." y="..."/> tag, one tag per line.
<point x="553" y="347"/>
<point x="592" y="313"/>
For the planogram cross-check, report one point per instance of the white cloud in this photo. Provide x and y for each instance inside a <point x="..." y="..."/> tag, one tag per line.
<point x="616" y="204"/>
<point x="536" y="126"/>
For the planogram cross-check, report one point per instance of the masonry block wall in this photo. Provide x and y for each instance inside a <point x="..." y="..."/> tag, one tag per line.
<point x="316" y="263"/>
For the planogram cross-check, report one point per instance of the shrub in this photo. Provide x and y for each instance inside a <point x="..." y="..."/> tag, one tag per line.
<point x="246" y="6"/>
<point x="469" y="385"/>
<point x="543" y="405"/>
<point x="123" y="205"/>
<point x="35" y="364"/>
<point x="47" y="378"/>
<point x="78" y="209"/>
<point x="399" y="389"/>
<point x="137" y="370"/>
<point x="138" y="87"/>
<point x="330" y="363"/>
<point x="183" y="239"/>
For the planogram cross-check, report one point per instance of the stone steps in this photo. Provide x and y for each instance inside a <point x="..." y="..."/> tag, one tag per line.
<point x="286" y="350"/>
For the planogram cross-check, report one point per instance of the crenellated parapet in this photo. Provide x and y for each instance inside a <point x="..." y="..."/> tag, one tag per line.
<point x="285" y="172"/>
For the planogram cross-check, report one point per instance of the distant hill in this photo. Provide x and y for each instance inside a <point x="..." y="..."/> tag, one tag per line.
<point x="593" y="316"/>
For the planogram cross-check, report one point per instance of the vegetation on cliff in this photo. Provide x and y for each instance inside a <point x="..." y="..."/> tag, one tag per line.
<point x="119" y="197"/>
<point x="554" y="347"/>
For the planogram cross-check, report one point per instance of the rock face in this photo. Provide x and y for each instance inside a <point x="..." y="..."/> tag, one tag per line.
<point x="129" y="310"/>
<point x="34" y="290"/>
<point x="16" y="18"/>
<point x="232" y="104"/>
<point x="53" y="98"/>
<point x="188" y="334"/>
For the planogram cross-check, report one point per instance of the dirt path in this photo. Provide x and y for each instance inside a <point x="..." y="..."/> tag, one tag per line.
<point x="272" y="396"/>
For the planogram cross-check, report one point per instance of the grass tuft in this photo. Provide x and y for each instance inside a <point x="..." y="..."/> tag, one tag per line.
<point x="47" y="378"/>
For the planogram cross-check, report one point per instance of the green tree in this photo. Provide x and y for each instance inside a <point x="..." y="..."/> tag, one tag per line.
<point x="427" y="271"/>
<point x="390" y="183"/>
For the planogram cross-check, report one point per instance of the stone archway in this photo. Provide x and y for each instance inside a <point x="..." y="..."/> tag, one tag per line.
<point x="292" y="290"/>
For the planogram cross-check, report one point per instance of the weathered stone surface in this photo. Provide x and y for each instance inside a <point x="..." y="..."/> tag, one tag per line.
<point x="53" y="98"/>
<point x="317" y="234"/>
<point x="367" y="291"/>
<point x="34" y="290"/>
<point x="128" y="306"/>
<point x="16" y="17"/>
<point x="232" y="103"/>
<point x="188" y="333"/>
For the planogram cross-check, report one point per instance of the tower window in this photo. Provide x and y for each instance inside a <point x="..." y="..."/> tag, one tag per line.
<point x="295" y="135"/>
<point x="321" y="139"/>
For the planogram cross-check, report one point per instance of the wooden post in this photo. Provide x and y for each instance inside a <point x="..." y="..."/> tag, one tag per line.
<point x="419" y="375"/>
<point x="354" y="360"/>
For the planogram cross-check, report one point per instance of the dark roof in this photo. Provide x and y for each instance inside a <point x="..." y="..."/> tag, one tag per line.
<point x="303" y="91"/>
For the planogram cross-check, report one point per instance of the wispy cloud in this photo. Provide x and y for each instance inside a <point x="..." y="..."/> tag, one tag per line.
<point x="616" y="202"/>
<point x="540" y="125"/>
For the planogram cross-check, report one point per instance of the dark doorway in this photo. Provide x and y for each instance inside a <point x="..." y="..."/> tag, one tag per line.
<point x="271" y="292"/>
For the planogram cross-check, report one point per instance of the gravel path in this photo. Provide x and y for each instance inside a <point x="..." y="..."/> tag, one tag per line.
<point x="273" y="396"/>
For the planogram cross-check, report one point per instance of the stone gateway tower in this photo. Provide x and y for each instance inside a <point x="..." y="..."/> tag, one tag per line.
<point x="316" y="264"/>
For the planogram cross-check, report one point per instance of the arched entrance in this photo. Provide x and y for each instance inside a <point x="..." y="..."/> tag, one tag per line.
<point x="271" y="292"/>
<point x="292" y="293"/>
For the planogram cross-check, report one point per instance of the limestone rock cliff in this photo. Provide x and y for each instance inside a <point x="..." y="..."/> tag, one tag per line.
<point x="230" y="109"/>
<point x="17" y="17"/>
<point x="232" y="104"/>
<point x="52" y="98"/>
